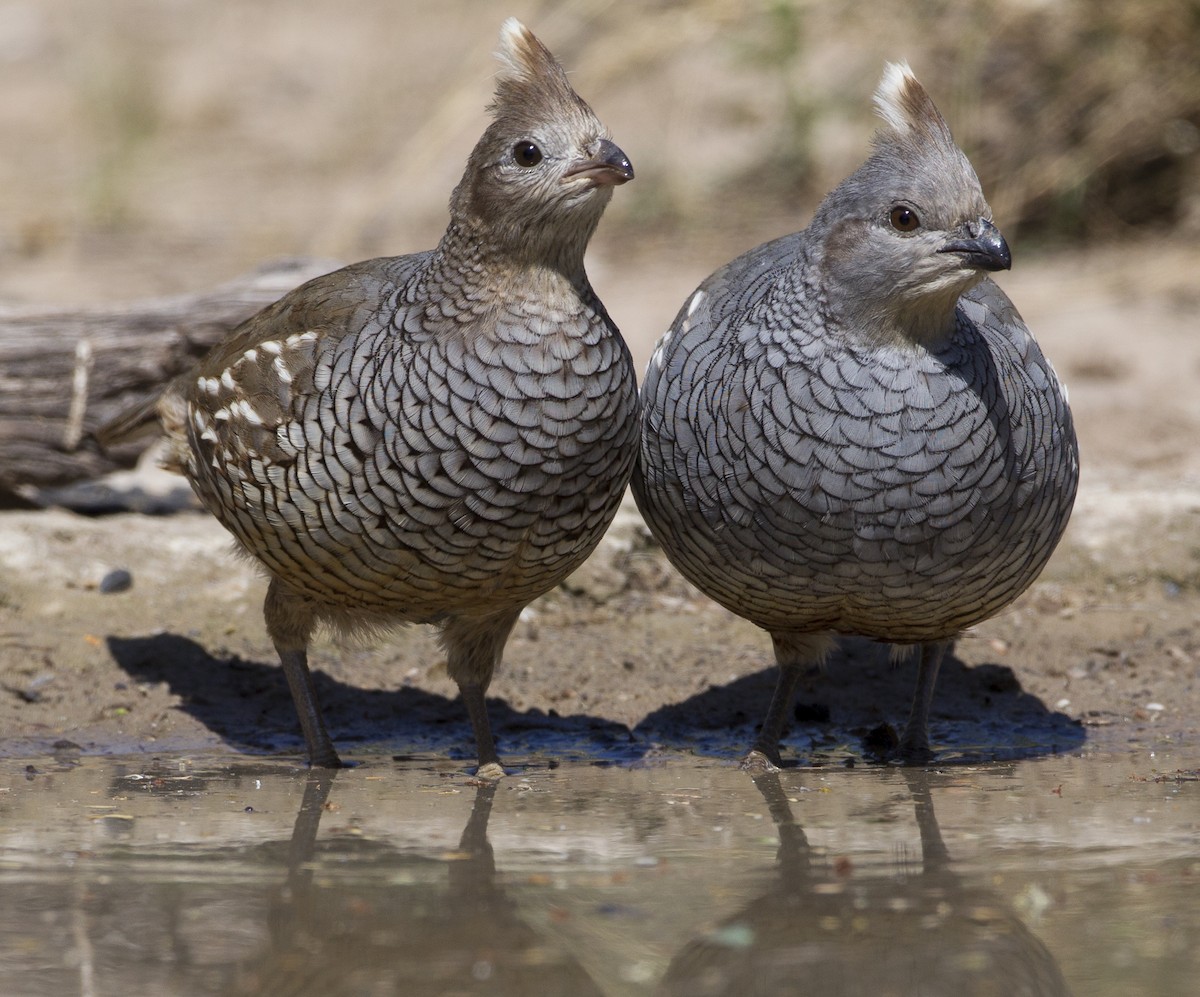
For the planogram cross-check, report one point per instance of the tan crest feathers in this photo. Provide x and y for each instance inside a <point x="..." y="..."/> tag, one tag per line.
<point x="511" y="30"/>
<point x="893" y="100"/>
<point x="530" y="78"/>
<point x="521" y="54"/>
<point x="906" y="107"/>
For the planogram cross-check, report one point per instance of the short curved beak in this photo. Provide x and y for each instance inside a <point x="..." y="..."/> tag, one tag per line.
<point x="607" y="168"/>
<point x="981" y="246"/>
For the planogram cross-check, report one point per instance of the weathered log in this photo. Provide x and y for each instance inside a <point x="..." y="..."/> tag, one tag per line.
<point x="65" y="372"/>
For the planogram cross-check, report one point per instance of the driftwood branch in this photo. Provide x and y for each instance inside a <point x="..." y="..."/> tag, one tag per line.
<point x="65" y="372"/>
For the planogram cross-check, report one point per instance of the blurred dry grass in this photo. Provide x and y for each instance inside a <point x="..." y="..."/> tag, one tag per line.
<point x="1086" y="122"/>
<point x="1081" y="116"/>
<point x="154" y="146"/>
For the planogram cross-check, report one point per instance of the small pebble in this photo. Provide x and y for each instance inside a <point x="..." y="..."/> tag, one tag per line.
<point x="117" y="580"/>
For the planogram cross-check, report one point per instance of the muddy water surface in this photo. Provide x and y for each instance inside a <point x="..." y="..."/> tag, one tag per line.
<point x="218" y="875"/>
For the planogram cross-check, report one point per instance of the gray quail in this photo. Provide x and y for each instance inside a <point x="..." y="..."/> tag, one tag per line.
<point x="435" y="438"/>
<point x="850" y="430"/>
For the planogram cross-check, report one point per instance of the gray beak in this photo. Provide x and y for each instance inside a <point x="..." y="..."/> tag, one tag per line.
<point x="607" y="168"/>
<point x="981" y="246"/>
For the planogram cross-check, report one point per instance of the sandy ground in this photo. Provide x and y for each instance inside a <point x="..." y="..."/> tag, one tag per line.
<point x="625" y="656"/>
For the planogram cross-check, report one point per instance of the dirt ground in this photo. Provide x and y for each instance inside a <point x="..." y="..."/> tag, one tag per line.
<point x="625" y="657"/>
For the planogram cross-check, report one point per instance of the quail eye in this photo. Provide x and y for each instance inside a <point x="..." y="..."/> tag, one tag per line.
<point x="904" y="219"/>
<point x="527" y="154"/>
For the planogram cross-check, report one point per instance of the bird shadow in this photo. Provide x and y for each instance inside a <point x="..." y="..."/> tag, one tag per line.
<point x="851" y="707"/>
<point x="247" y="704"/>
<point x="980" y="713"/>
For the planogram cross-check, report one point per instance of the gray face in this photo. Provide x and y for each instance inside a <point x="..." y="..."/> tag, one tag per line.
<point x="909" y="232"/>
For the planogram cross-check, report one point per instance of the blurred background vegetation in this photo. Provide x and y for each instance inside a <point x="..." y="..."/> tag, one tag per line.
<point x="1082" y="117"/>
<point x="159" y="145"/>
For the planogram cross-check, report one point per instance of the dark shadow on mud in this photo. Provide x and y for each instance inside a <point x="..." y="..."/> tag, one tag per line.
<point x="247" y="704"/>
<point x="980" y="713"/>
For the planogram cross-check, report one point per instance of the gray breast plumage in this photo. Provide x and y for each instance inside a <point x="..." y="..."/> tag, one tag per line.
<point x="810" y="482"/>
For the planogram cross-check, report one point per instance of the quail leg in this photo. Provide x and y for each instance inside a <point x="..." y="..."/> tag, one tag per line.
<point x="474" y="647"/>
<point x="764" y="755"/>
<point x="914" y="743"/>
<point x="290" y="620"/>
<point x="321" y="753"/>
<point x="793" y="653"/>
<point x="485" y="746"/>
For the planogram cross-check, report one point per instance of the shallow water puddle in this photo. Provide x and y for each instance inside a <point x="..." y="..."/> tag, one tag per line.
<point x="194" y="875"/>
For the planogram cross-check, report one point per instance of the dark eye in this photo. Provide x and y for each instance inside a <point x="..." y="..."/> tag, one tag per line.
<point x="904" y="219"/>
<point x="527" y="154"/>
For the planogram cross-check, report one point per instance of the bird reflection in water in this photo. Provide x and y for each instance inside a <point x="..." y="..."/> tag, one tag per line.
<point x="830" y="931"/>
<point x="333" y="934"/>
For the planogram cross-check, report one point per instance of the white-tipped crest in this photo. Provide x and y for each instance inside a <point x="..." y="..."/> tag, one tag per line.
<point x="910" y="116"/>
<point x="529" y="74"/>
<point x="514" y="45"/>
<point x="522" y="57"/>
<point x="892" y="101"/>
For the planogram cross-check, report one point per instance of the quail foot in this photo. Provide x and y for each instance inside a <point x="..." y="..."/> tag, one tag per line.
<point x="850" y="430"/>
<point x="435" y="438"/>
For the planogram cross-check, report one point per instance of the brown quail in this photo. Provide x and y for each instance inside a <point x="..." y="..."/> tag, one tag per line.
<point x="850" y="430"/>
<point x="436" y="438"/>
